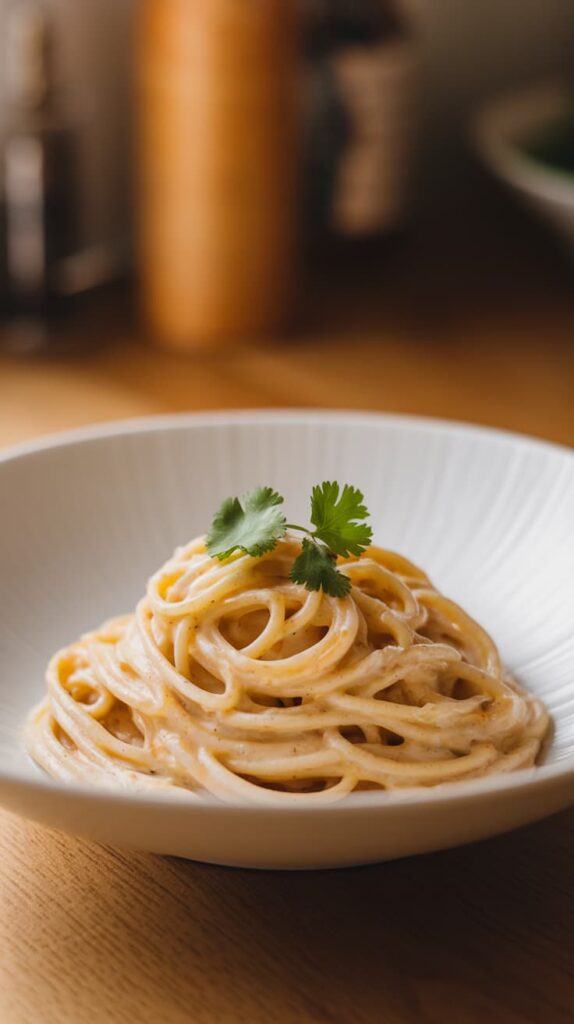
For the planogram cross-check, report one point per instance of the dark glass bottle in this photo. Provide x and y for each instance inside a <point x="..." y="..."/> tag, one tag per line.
<point x="360" y="62"/>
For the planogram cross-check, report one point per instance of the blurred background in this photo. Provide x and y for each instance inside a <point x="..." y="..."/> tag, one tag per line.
<point x="339" y="203"/>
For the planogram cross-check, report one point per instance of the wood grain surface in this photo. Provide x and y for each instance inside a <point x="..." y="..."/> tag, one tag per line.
<point x="472" y="320"/>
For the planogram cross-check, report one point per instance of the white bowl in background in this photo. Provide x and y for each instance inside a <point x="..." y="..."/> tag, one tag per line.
<point x="500" y="132"/>
<point x="85" y="518"/>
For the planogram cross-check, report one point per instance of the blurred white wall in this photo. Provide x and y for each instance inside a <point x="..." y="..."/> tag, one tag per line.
<point x="94" y="44"/>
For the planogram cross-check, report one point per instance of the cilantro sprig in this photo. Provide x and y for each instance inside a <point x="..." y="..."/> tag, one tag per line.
<point x="255" y="523"/>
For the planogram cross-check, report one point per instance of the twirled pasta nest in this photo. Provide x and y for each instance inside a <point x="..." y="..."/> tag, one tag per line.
<point x="232" y="680"/>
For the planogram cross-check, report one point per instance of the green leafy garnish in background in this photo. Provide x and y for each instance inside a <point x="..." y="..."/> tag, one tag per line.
<point x="254" y="524"/>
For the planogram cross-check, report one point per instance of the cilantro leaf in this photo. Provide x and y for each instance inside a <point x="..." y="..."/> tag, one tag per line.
<point x="252" y="524"/>
<point x="315" y="568"/>
<point x="334" y="514"/>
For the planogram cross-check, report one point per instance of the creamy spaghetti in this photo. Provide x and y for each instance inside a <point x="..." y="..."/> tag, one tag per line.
<point x="232" y="680"/>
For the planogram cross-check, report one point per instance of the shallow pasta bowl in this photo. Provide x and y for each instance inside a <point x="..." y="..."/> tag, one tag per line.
<point x="86" y="517"/>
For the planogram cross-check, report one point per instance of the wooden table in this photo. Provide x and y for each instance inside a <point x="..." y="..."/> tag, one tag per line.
<point x="470" y="318"/>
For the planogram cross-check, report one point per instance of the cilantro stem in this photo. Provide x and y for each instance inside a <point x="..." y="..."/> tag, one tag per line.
<point x="312" y="534"/>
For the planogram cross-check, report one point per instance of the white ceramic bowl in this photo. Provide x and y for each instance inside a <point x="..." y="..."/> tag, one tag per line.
<point x="86" y="517"/>
<point x="500" y="131"/>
